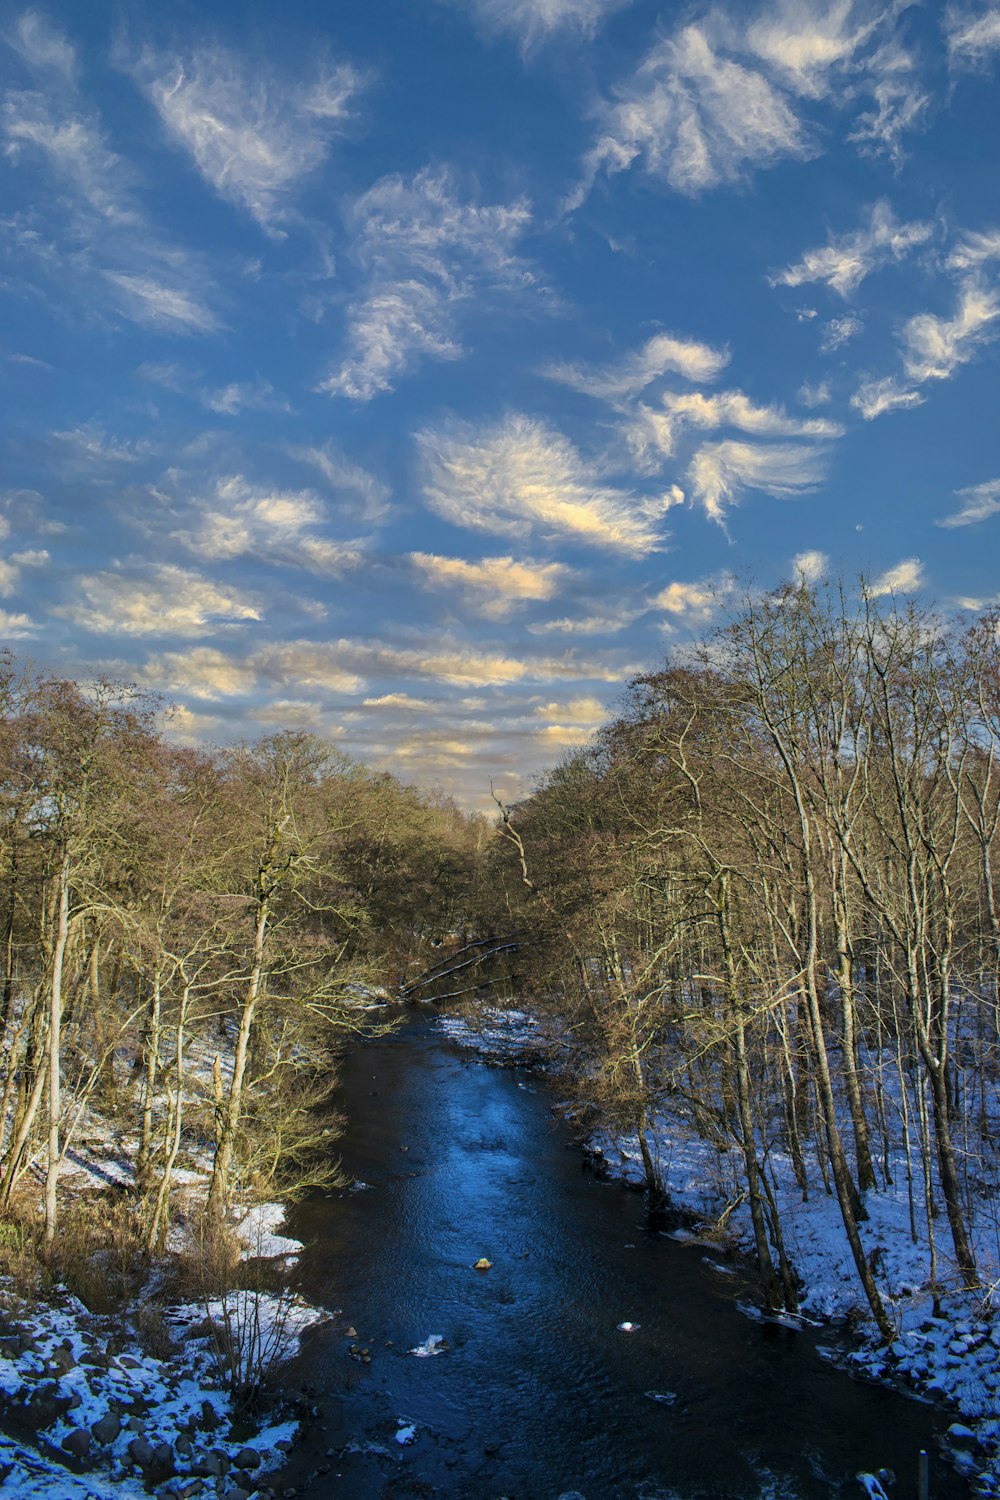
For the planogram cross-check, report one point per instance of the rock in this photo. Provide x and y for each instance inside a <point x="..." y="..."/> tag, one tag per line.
<point x="61" y="1359"/>
<point x="184" y="1445"/>
<point x="482" y="1264"/>
<point x="236" y="1492"/>
<point x="135" y="1424"/>
<point x="77" y="1442"/>
<point x="209" y="1417"/>
<point x="141" y="1452"/>
<point x="960" y="1436"/>
<point x="108" y="1428"/>
<point x="247" y="1458"/>
<point x="45" y="1405"/>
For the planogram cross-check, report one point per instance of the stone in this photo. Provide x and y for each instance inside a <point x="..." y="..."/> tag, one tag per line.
<point x="141" y="1452"/>
<point x="247" y="1458"/>
<point x="209" y="1419"/>
<point x="184" y="1445"/>
<point x="61" y="1359"/>
<point x="482" y="1264"/>
<point x="45" y="1405"/>
<point x="107" y="1428"/>
<point x="76" y="1443"/>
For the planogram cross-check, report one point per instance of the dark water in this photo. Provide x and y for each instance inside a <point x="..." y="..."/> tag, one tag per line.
<point x="539" y="1393"/>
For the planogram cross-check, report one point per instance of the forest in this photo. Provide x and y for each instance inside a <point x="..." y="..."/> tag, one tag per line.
<point x="762" y="901"/>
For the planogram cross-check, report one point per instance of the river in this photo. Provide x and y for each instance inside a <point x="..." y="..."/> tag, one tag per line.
<point x="538" y="1392"/>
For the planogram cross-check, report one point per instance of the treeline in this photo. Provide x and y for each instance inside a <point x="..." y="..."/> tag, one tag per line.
<point x="766" y="897"/>
<point x="187" y="937"/>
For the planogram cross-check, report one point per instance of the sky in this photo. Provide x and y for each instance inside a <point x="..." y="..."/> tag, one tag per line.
<point x="416" y="372"/>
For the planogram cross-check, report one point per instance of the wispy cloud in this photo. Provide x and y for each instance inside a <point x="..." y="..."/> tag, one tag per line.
<point x="425" y="250"/>
<point x="975" y="250"/>
<point x="652" y="433"/>
<point x="494" y="586"/>
<point x="874" y="398"/>
<point x="156" y="600"/>
<point x="93" y="231"/>
<point x="275" y="526"/>
<point x="252" y="134"/>
<point x="521" y="477"/>
<point x="534" y="22"/>
<point x="839" y="331"/>
<point x="979" y="502"/>
<point x="693" y="603"/>
<point x="847" y="259"/>
<point x="694" y="118"/>
<point x="442" y="659"/>
<point x="720" y="472"/>
<point x="42" y="46"/>
<point x="972" y="36"/>
<point x="356" y="488"/>
<point x="935" y="347"/>
<point x="243" y="395"/>
<point x="663" y="354"/>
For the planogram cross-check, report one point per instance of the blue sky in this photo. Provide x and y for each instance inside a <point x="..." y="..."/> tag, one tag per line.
<point x="416" y="371"/>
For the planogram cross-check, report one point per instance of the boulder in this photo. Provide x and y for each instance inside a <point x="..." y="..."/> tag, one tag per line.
<point x="247" y="1458"/>
<point x="76" y="1442"/>
<point x="107" y="1428"/>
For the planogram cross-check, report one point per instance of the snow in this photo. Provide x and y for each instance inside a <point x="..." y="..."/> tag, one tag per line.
<point x="93" y="1370"/>
<point x="258" y="1230"/>
<point x="435" y="1343"/>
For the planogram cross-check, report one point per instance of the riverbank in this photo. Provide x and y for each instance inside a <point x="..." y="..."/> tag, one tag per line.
<point x="947" y="1348"/>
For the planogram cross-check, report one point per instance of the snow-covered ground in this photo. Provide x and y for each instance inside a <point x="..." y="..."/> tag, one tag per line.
<point x="96" y="1416"/>
<point x="953" y="1359"/>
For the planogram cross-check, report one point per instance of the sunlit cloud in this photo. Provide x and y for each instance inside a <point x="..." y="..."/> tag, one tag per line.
<point x="663" y="354"/>
<point x="493" y="587"/>
<point x="904" y="578"/>
<point x="874" y="398"/>
<point x="356" y="489"/>
<point x="278" y="526"/>
<point x="158" y="599"/>
<point x="810" y="566"/>
<point x="720" y="472"/>
<point x="693" y="603"/>
<point x="201" y="672"/>
<point x="935" y="347"/>
<point x="846" y="260"/>
<point x="975" y="250"/>
<point x="979" y="502"/>
<point x="521" y="477"/>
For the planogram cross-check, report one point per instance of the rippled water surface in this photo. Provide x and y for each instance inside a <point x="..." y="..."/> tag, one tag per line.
<point x="538" y="1393"/>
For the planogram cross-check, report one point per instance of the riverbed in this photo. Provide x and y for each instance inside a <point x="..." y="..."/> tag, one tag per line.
<point x="539" y="1390"/>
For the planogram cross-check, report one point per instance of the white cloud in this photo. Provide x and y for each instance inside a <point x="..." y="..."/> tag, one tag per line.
<point x="277" y="526"/>
<point x="159" y="305"/>
<point x="816" y="393"/>
<point x="935" y="347"/>
<point x="694" y="119"/>
<point x="975" y="250"/>
<point x="693" y="602"/>
<point x="159" y="599"/>
<point x="12" y="567"/>
<point x="590" y="711"/>
<point x="904" y="578"/>
<point x="979" y="502"/>
<point x="609" y="621"/>
<point x="875" y="397"/>
<point x="734" y="409"/>
<point x="805" y="43"/>
<point x="847" y="259"/>
<point x="839" y="331"/>
<point x="246" y="395"/>
<point x="74" y="147"/>
<point x="663" y="354"/>
<point x="337" y="664"/>
<point x="201" y="672"/>
<point x="521" y="477"/>
<point x="252" y="135"/>
<point x="353" y="485"/>
<point x="534" y="22"/>
<point x="810" y="566"/>
<point x="494" y="586"/>
<point x="425" y="251"/>
<point x="719" y="472"/>
<point x="16" y="627"/>
<point x="972" y="38"/>
<point x="42" y="46"/>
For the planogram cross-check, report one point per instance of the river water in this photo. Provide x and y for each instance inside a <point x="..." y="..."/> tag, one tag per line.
<point x="538" y="1393"/>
